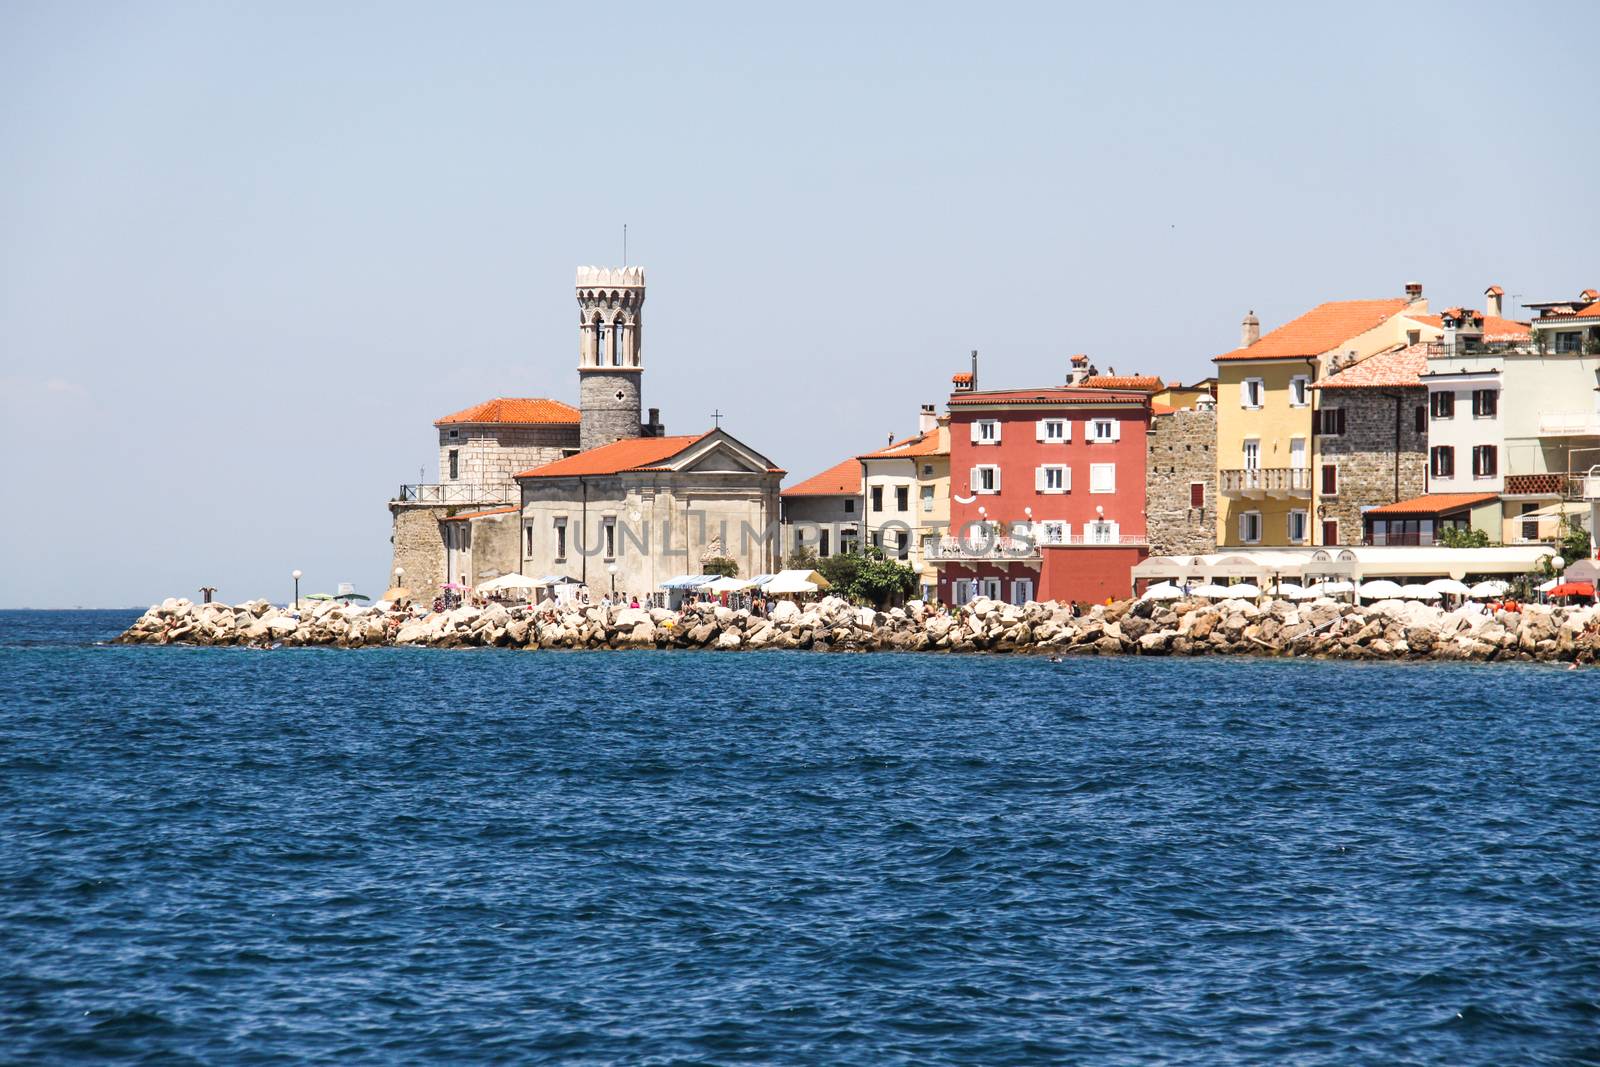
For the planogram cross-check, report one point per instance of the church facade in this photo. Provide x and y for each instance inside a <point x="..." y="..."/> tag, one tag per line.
<point x="596" y="492"/>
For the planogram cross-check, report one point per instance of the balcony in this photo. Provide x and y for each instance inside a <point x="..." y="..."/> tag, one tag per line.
<point x="457" y="493"/>
<point x="1569" y="424"/>
<point x="992" y="548"/>
<point x="1253" y="483"/>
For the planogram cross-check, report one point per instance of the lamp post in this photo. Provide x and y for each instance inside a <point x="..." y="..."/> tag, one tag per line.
<point x="611" y="569"/>
<point x="296" y="576"/>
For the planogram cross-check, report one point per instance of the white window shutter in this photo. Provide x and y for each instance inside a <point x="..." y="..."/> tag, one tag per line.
<point x="1243" y="527"/>
<point x="997" y="429"/>
<point x="974" y="485"/>
<point x="1066" y="429"/>
<point x="1038" y="430"/>
<point x="1038" y="475"/>
<point x="997" y="479"/>
<point x="1066" y="478"/>
<point x="975" y="437"/>
<point x="1115" y="534"/>
<point x="1116" y="429"/>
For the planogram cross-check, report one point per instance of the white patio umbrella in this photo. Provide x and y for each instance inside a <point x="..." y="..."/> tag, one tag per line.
<point x="1492" y="587"/>
<point x="1382" y="589"/>
<point x="507" y="582"/>
<point x="1212" y="590"/>
<point x="1288" y="590"/>
<point x="1450" y="587"/>
<point x="1163" y="591"/>
<point x="728" y="585"/>
<point x="1419" y="592"/>
<point x="1243" y="591"/>
<point x="1338" y="588"/>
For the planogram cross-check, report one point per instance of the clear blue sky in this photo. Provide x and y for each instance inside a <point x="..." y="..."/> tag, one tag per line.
<point x="248" y="253"/>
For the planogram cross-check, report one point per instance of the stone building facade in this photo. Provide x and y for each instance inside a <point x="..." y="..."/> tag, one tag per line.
<point x="1181" y="481"/>
<point x="1372" y="444"/>
<point x="492" y="453"/>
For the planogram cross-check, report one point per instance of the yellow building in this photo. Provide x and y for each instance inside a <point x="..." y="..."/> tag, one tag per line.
<point x="906" y="487"/>
<point x="1268" y="479"/>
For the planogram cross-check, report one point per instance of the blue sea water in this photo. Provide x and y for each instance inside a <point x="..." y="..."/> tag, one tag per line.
<point x="390" y="855"/>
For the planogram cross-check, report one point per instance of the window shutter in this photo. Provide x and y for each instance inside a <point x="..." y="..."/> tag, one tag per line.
<point x="973" y="483"/>
<point x="1491" y="457"/>
<point x="1244" y="527"/>
<point x="1197" y="495"/>
<point x="1038" y="430"/>
<point x="1066" y="429"/>
<point x="1114" y="531"/>
<point x="1038" y="478"/>
<point x="1116" y="429"/>
<point x="975" y="437"/>
<point x="1066" y="478"/>
<point x="997" y="479"/>
<point x="997" y="429"/>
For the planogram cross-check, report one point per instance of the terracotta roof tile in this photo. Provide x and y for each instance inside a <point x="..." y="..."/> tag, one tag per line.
<point x="629" y="454"/>
<point x="1321" y="329"/>
<point x="1122" y="381"/>
<point x="1433" y="504"/>
<point x="924" y="444"/>
<point x="1056" y="395"/>
<point x="1494" y="327"/>
<point x="517" y="410"/>
<point x="841" y="479"/>
<point x="1395" y="369"/>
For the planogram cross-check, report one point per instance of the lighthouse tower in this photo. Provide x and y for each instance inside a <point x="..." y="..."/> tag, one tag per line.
<point x="610" y="324"/>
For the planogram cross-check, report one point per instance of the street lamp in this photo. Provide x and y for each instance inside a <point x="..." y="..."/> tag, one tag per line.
<point x="611" y="569"/>
<point x="296" y="576"/>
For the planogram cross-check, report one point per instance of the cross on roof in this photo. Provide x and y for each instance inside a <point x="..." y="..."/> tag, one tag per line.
<point x="716" y="419"/>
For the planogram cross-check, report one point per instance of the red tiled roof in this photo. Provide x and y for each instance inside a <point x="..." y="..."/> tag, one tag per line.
<point x="481" y="514"/>
<point x="964" y="376"/>
<point x="1122" y="381"/>
<point x="1398" y="368"/>
<point x="629" y="454"/>
<point x="1590" y="312"/>
<point x="924" y="444"/>
<point x="841" y="479"/>
<point x="519" y="410"/>
<point x="1434" y="504"/>
<point x="1494" y="327"/>
<point x="1321" y="329"/>
<point x="1162" y="409"/>
<point x="1494" y="290"/>
<point x="1058" y="395"/>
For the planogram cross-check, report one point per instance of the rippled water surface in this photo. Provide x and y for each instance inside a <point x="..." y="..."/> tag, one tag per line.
<point x="395" y="855"/>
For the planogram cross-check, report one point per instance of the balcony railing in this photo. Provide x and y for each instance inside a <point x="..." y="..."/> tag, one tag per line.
<point x="1569" y="424"/>
<point x="1257" y="482"/>
<point x="1407" y="538"/>
<point x="457" y="493"/>
<point x="1021" y="548"/>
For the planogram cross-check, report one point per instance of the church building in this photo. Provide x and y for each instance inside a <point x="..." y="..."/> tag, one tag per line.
<point x="598" y="493"/>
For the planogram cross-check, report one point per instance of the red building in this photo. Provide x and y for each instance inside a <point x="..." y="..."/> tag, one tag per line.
<point x="1047" y="491"/>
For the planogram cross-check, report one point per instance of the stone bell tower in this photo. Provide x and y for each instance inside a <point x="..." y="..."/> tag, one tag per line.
<point x="610" y="302"/>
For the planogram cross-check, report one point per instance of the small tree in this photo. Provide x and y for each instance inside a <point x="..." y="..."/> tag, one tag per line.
<point x="803" y="559"/>
<point x="883" y="580"/>
<point x="841" y="571"/>
<point x="1574" y="540"/>
<point x="720" y="565"/>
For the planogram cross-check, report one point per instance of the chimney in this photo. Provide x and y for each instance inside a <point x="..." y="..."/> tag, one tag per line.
<point x="1492" y="301"/>
<point x="1080" y="369"/>
<point x="974" y="368"/>
<point x="1249" y="330"/>
<point x="1413" y="291"/>
<point x="927" y="419"/>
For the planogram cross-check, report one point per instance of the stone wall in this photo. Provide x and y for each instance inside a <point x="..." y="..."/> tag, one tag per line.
<point x="1367" y="458"/>
<point x="418" y="547"/>
<point x="606" y="418"/>
<point x="1181" y="449"/>
<point x="493" y="455"/>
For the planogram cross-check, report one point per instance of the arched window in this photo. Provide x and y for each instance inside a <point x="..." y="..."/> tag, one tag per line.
<point x="616" y="343"/>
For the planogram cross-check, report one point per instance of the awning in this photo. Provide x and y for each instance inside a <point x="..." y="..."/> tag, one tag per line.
<point x="795" y="582"/>
<point x="689" y="581"/>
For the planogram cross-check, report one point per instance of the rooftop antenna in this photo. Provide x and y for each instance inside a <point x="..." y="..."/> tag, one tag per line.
<point x="624" y="244"/>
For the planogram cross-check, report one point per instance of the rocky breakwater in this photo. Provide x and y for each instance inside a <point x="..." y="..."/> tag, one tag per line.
<point x="1323" y="628"/>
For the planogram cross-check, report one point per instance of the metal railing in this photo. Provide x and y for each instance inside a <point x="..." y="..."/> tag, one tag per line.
<point x="457" y="493"/>
<point x="1021" y="548"/>
<point x="1267" y="481"/>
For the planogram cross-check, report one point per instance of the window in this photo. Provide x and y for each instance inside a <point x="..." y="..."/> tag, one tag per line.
<point x="1299" y="522"/>
<point x="927" y="470"/>
<point x="1442" y="461"/>
<point x="822" y="543"/>
<point x="1250" y="527"/>
<point x="902" y="498"/>
<point x="877" y="498"/>
<point x="1252" y="454"/>
<point x="1297" y="453"/>
<point x="454" y="434"/>
<point x="1442" y="405"/>
<point x="1485" y="403"/>
<point x="1104" y="430"/>
<point x="850" y="505"/>
<point x="1251" y="391"/>
<point x="986" y="432"/>
<point x="1053" y="532"/>
<point x="1567" y="342"/>
<point x="1422" y="419"/>
<point x="1299" y="395"/>
<point x="986" y="479"/>
<point x="1330" y="422"/>
<point x="561" y="538"/>
<point x="455" y="463"/>
<point x="1053" y="431"/>
<point x="1330" y="531"/>
<point x="608" y="528"/>
<point x="1100" y="532"/>
<point x="1197" y="495"/>
<point x="528" y="531"/>
<point x="1052" y="478"/>
<point x="1330" y="479"/>
<point x="1102" y="477"/>
<point x="927" y="498"/>
<point x="1485" y="461"/>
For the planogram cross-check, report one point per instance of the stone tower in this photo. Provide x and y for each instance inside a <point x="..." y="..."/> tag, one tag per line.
<point x="610" y="300"/>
